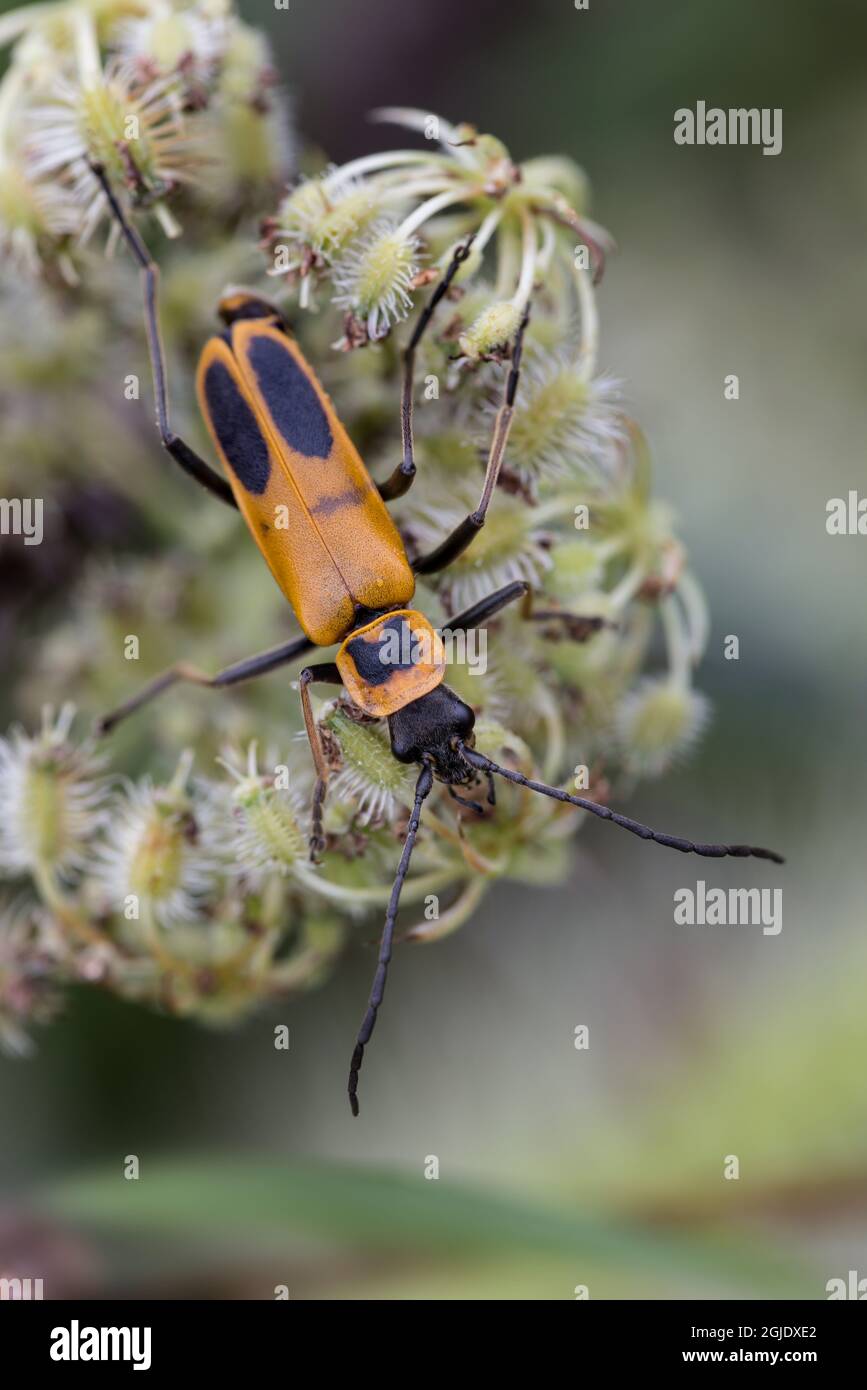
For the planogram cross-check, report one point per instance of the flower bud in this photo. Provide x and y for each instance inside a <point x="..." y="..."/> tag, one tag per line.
<point x="492" y="331"/>
<point x="32" y="215"/>
<point x="373" y="279"/>
<point x="269" y="830"/>
<point x="371" y="777"/>
<point x="51" y="798"/>
<point x="564" y="424"/>
<point x="322" y="217"/>
<point x="162" y="851"/>
<point x="657" y="723"/>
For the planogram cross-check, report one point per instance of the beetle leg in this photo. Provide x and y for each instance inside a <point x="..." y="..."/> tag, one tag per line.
<point x="324" y="671"/>
<point x="467" y="530"/>
<point x="401" y="480"/>
<point x="187" y="458"/>
<point x="249" y="669"/>
<point x="465" y="801"/>
<point x="576" y="626"/>
<point x="488" y="606"/>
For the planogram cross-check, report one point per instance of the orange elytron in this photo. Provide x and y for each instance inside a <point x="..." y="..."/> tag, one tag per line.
<point x="298" y="480"/>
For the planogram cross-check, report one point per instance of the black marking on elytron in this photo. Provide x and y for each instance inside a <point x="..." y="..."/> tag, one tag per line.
<point x="294" y="405"/>
<point x="236" y="429"/>
<point x="368" y="656"/>
<point x="328" y="506"/>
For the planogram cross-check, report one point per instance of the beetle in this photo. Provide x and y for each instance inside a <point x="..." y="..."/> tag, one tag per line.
<point x="341" y="562"/>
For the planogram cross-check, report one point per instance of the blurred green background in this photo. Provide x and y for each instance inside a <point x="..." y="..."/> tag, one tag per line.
<point x="558" y="1167"/>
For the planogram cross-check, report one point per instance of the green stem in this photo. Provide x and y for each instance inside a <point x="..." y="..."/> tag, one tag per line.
<point x="588" y="350"/>
<point x="65" y="909"/>
<point x="455" y="916"/>
<point x="363" y="897"/>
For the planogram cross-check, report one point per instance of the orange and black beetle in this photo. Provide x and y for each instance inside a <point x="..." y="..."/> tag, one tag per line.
<point x="323" y="528"/>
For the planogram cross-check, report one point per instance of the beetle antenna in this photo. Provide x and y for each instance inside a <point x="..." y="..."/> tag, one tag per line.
<point x="478" y="760"/>
<point x="422" y="790"/>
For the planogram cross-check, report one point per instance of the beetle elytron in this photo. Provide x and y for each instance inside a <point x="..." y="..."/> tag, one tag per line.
<point x="341" y="561"/>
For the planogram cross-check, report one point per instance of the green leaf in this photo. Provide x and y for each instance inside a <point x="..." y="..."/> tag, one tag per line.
<point x="393" y="1212"/>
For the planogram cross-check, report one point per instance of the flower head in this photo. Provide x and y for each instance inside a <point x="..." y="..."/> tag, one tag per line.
<point x="162" y="852"/>
<point x="225" y="863"/>
<point x="564" y="423"/>
<point x="370" y="777"/>
<point x="511" y="546"/>
<point x="320" y="217"/>
<point x="171" y="40"/>
<point x="374" y="277"/>
<point x="268" y="818"/>
<point x="134" y="128"/>
<point x="657" y="723"/>
<point x="52" y="798"/>
<point x="34" y="218"/>
<point x="492" y="331"/>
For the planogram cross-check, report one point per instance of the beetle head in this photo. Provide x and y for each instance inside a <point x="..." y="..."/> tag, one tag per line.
<point x="431" y="727"/>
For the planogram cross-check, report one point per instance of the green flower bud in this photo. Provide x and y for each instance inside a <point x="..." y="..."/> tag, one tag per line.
<point x="162" y="852"/>
<point x="51" y="798"/>
<point x="492" y="331"/>
<point x="657" y="723"/>
<point x="370" y="777"/>
<point x="373" y="279"/>
<point x="564" y="423"/>
<point x="32" y="216"/>
<point x="270" y="831"/>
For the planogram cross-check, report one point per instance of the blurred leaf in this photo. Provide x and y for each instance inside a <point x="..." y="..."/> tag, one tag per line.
<point x="380" y="1210"/>
<point x="772" y="1082"/>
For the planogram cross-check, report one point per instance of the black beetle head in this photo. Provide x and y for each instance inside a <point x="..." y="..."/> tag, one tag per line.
<point x="430" y="728"/>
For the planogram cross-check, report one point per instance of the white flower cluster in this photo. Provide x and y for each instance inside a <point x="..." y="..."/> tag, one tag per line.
<point x="148" y="90"/>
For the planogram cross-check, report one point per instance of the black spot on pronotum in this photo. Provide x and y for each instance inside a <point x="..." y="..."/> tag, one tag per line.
<point x="294" y="405"/>
<point x="368" y="656"/>
<point x="236" y="428"/>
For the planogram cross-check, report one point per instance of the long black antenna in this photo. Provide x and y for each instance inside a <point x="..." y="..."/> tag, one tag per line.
<point x="635" y="827"/>
<point x="422" y="789"/>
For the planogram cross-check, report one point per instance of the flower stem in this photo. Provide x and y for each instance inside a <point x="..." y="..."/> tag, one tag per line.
<point x="588" y="350"/>
<point x="63" y="908"/>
